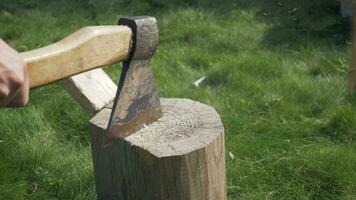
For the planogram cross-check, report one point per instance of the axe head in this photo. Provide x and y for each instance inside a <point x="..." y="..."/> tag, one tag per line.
<point x="137" y="102"/>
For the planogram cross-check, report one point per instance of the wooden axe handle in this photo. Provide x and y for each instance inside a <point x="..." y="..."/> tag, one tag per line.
<point x="86" y="49"/>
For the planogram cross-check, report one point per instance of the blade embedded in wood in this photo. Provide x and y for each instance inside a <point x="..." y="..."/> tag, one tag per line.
<point x="137" y="102"/>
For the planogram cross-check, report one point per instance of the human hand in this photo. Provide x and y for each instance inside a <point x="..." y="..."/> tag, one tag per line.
<point x="14" y="81"/>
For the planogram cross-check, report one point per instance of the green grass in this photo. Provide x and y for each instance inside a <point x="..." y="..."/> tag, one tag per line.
<point x="275" y="72"/>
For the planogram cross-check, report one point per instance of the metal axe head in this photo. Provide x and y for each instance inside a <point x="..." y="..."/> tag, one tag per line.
<point x="137" y="102"/>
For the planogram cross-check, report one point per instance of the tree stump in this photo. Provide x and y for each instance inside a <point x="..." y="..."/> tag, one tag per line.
<point x="181" y="156"/>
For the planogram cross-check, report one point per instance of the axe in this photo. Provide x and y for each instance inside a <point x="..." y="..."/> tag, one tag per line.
<point x="133" y="41"/>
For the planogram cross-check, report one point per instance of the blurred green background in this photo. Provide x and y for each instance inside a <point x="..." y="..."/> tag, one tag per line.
<point x="275" y="71"/>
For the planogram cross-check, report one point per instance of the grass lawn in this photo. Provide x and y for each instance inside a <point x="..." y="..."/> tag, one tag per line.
<point x="275" y="72"/>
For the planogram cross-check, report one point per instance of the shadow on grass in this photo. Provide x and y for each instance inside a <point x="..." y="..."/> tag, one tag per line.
<point x="297" y="23"/>
<point x="294" y="23"/>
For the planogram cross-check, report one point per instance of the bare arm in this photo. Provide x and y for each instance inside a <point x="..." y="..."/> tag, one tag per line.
<point x="14" y="82"/>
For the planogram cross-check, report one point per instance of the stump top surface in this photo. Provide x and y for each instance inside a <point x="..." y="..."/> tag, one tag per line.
<point x="185" y="126"/>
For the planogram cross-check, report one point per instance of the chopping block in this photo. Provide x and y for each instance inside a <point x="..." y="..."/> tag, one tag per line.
<point x="181" y="156"/>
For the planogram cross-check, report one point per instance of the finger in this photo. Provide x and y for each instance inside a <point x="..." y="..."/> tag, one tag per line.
<point x="10" y="87"/>
<point x="9" y="94"/>
<point x="5" y="90"/>
<point x="22" y="96"/>
<point x="4" y="93"/>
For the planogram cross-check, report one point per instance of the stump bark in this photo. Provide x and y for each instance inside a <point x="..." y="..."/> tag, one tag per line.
<point x="181" y="156"/>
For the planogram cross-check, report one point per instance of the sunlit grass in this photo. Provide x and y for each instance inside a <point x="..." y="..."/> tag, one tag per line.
<point x="290" y="124"/>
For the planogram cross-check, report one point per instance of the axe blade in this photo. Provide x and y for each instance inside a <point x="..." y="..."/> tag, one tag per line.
<point x="137" y="101"/>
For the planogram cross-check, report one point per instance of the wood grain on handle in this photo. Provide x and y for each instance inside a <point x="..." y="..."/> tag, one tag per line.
<point x="88" y="48"/>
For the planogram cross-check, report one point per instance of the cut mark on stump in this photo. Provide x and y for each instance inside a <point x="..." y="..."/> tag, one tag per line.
<point x="185" y="126"/>
<point x="176" y="124"/>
